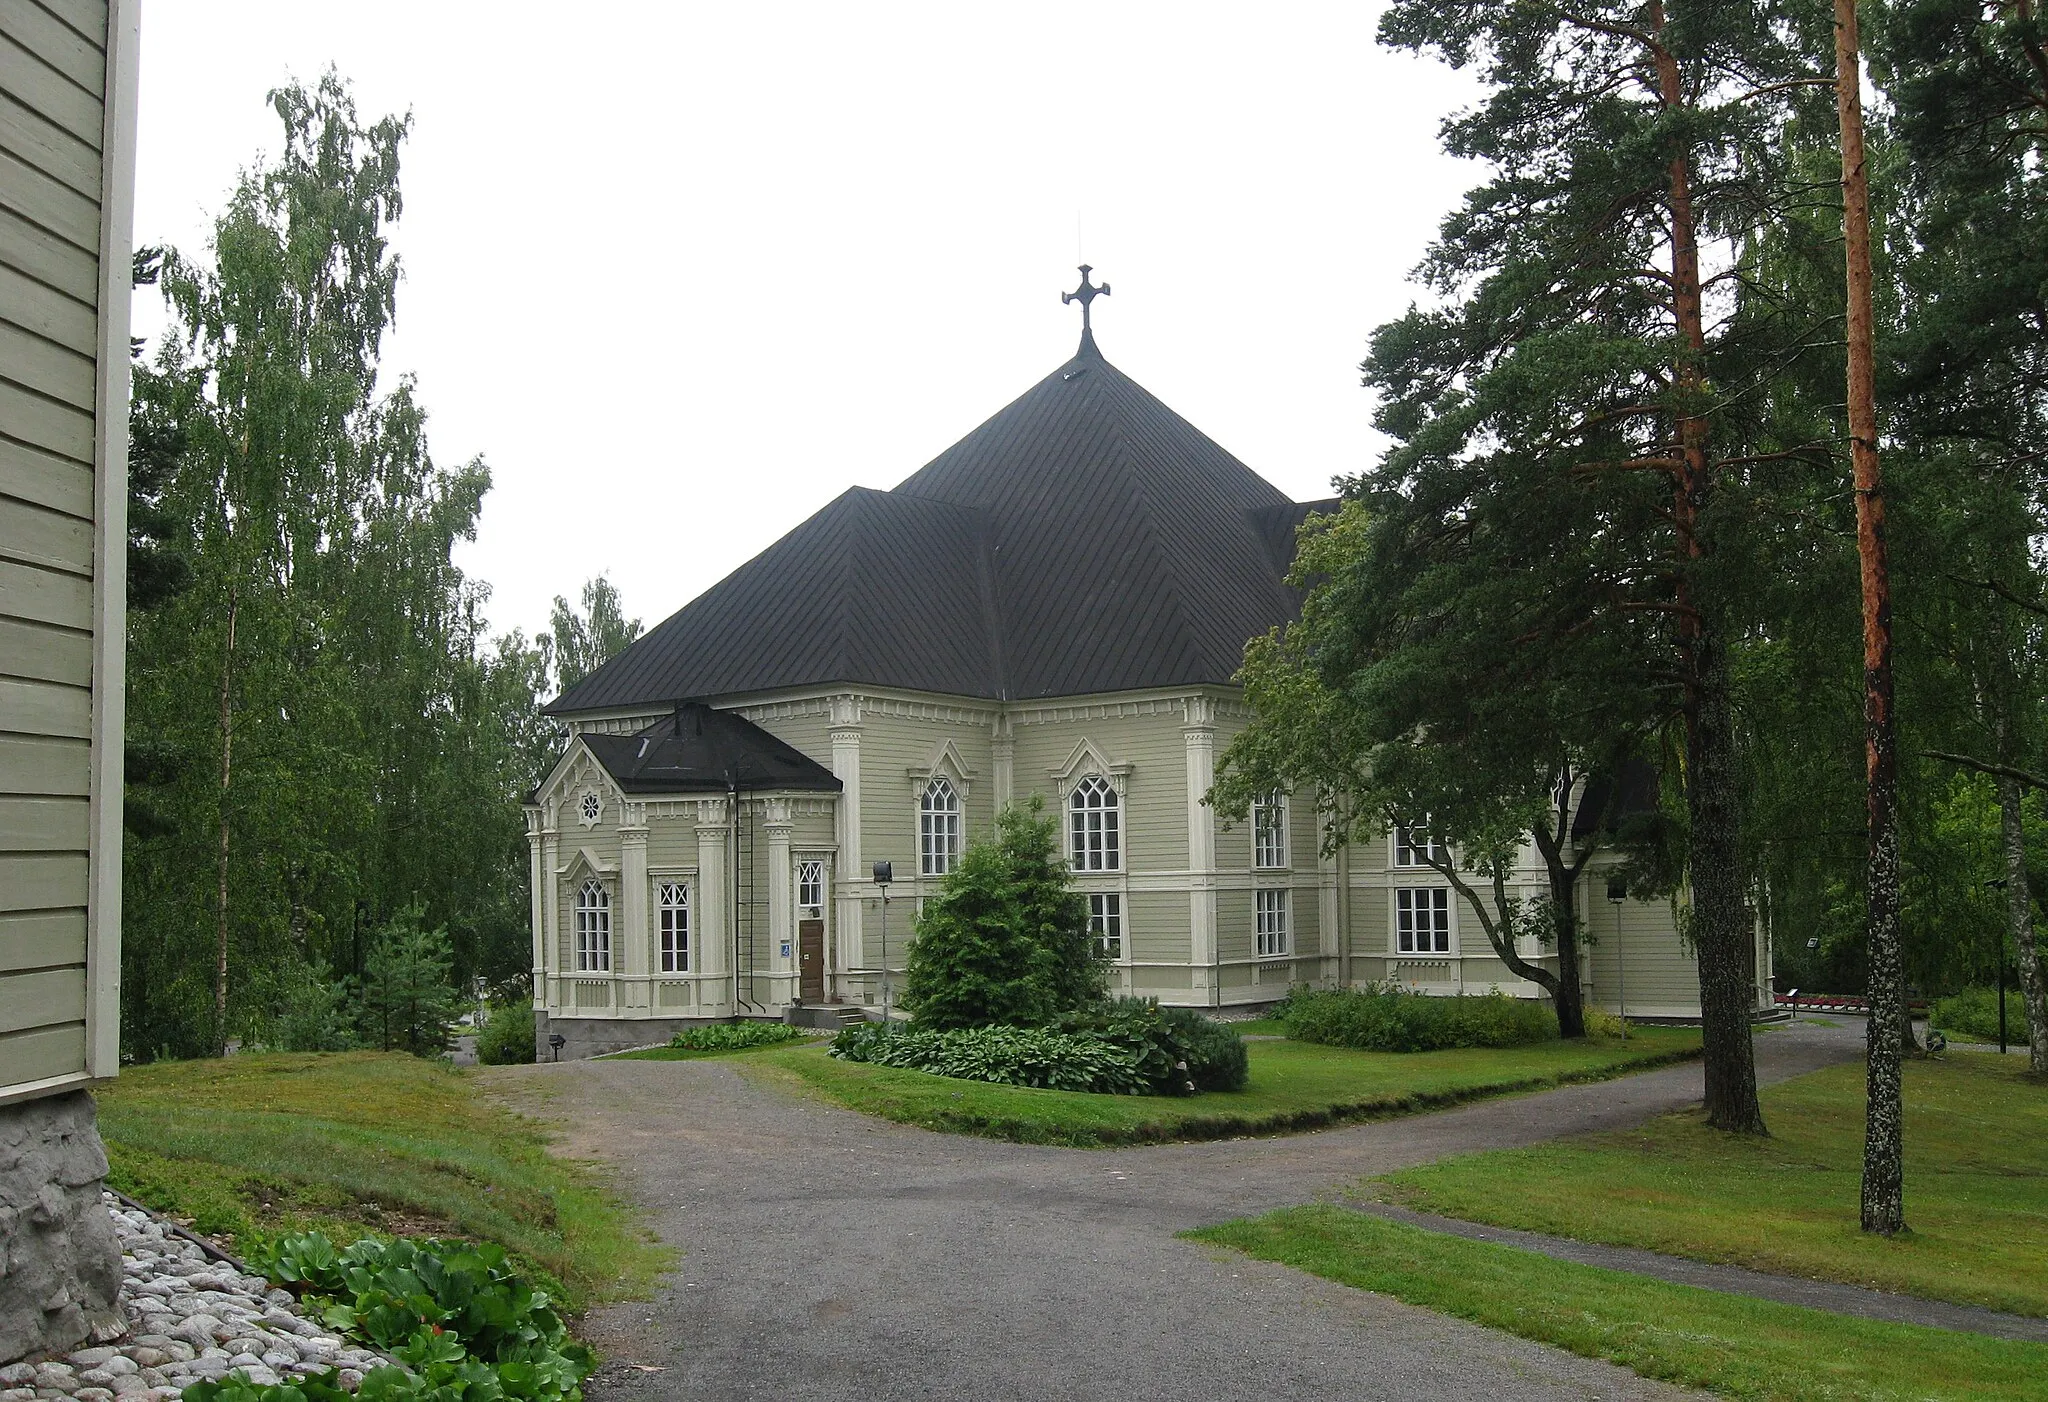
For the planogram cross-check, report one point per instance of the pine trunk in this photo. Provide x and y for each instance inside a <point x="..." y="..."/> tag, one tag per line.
<point x="1889" y="1030"/>
<point x="1720" y="925"/>
<point x="2019" y="909"/>
<point x="1720" y="915"/>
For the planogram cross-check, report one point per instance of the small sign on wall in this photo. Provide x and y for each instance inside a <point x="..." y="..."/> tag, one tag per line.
<point x="785" y="949"/>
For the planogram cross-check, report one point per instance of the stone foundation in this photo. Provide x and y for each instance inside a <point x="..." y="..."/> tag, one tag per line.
<point x="60" y="1262"/>
<point x="594" y="1036"/>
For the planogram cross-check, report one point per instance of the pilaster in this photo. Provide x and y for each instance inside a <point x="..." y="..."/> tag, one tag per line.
<point x="713" y="935"/>
<point x="632" y="936"/>
<point x="847" y="950"/>
<point x="551" y="908"/>
<point x="781" y="905"/>
<point x="1200" y="735"/>
<point x="536" y="905"/>
<point x="1003" y="745"/>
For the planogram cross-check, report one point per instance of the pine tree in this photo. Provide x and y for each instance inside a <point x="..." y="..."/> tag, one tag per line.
<point x="408" y="1000"/>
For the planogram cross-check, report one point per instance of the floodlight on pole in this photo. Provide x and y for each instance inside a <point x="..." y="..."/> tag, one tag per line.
<point x="885" y="872"/>
<point x="1617" y="892"/>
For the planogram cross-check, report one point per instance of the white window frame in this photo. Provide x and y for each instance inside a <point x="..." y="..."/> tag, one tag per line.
<point x="1408" y="854"/>
<point x="1413" y="902"/>
<point x="593" y="923"/>
<point x="589" y="808"/>
<point x="1106" y="924"/>
<point x="1273" y="922"/>
<point x="1095" y="826"/>
<point x="810" y="873"/>
<point x="938" y="827"/>
<point x="672" y="925"/>
<point x="1269" y="833"/>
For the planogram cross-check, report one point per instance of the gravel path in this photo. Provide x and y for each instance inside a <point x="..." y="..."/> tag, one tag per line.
<point x="831" y="1255"/>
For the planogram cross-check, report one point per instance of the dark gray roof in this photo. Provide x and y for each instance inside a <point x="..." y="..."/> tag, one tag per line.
<point x="1085" y="539"/>
<point x="701" y="750"/>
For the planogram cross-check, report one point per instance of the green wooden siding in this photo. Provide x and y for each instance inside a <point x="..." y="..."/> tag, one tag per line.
<point x="53" y="72"/>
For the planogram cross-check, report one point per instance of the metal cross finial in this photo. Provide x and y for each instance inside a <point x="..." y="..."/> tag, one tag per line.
<point x="1084" y="294"/>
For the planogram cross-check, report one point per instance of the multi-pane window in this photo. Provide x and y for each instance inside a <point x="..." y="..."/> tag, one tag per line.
<point x="1269" y="831"/>
<point x="1415" y="848"/>
<point x="592" y="807"/>
<point x="938" y="828"/>
<point x="672" y="906"/>
<point x="1422" y="920"/>
<point x="1275" y="936"/>
<point x="1106" y="923"/>
<point x="810" y="886"/>
<point x="593" y="928"/>
<point x="1093" y="826"/>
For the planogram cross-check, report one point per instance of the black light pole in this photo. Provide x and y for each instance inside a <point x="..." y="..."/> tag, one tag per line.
<point x="1617" y="892"/>
<point x="885" y="872"/>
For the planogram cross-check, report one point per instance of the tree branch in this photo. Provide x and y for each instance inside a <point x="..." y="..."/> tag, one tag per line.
<point x="1996" y="770"/>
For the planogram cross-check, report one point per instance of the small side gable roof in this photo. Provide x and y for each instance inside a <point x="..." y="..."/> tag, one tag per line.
<point x="700" y="750"/>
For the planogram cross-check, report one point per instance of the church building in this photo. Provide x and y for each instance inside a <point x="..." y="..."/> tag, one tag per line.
<point x="1054" y="606"/>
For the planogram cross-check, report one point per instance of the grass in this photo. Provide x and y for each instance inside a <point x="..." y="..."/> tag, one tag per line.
<point x="1260" y="1027"/>
<point x="252" y="1145"/>
<point x="690" y="1054"/>
<point x="1976" y="1186"/>
<point x="1678" y="1333"/>
<point x="1293" y="1086"/>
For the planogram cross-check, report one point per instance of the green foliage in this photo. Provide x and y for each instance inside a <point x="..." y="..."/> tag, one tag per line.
<point x="579" y="643"/>
<point x="312" y="1012"/>
<point x="507" y="1036"/>
<point x="1179" y="1051"/>
<point x="1974" y="1013"/>
<point x="1391" y="1019"/>
<point x="1005" y="941"/>
<point x="732" y="1036"/>
<point x="1015" y="1056"/>
<point x="1127" y="1047"/>
<point x="461" y="1323"/>
<point x="316" y="715"/>
<point x="408" y="1002"/>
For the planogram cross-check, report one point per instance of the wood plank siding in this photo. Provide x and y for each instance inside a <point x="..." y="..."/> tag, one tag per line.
<point x="66" y="175"/>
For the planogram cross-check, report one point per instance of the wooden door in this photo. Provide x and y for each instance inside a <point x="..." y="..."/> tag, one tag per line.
<point x="810" y="945"/>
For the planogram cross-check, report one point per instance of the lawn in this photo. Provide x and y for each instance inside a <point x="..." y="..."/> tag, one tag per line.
<point x="699" y="1054"/>
<point x="1976" y="1186"/>
<point x="250" y="1145"/>
<point x="1293" y="1086"/>
<point x="1697" y="1338"/>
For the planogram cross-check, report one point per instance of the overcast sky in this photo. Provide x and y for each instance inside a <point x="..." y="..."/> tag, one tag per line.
<point x="683" y="272"/>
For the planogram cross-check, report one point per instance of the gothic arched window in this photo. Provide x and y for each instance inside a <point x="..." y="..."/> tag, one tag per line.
<point x="938" y="828"/>
<point x="1093" y="828"/>
<point x="593" y="928"/>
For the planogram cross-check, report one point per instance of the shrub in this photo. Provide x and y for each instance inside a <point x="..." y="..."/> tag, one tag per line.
<point x="1392" y="1019"/>
<point x="1015" y="1056"/>
<point x="312" y="1012"/>
<point x="1216" y="1055"/>
<point x="1006" y="939"/>
<point x="731" y="1036"/>
<point x="461" y="1324"/>
<point x="507" y="1038"/>
<point x="1974" y="1013"/>
<point x="1179" y="1051"/>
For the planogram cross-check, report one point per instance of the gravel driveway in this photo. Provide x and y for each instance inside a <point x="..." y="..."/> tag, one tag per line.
<point x="830" y="1255"/>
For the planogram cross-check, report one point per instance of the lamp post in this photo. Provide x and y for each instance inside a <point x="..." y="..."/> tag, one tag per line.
<point x="1617" y="892"/>
<point x="885" y="872"/>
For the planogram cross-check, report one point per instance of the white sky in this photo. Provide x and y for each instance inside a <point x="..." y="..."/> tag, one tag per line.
<point x="683" y="272"/>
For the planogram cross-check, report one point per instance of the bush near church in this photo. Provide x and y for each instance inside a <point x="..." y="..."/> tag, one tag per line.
<point x="1005" y="986"/>
<point x="1388" y="1018"/>
<point x="507" y="1038"/>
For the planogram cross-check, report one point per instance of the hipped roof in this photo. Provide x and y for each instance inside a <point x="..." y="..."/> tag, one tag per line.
<point x="701" y="750"/>
<point x="1085" y="539"/>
